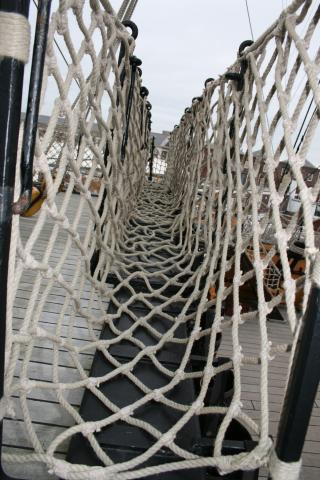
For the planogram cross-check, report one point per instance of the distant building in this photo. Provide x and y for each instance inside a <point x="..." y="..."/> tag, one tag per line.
<point x="291" y="202"/>
<point x="161" y="147"/>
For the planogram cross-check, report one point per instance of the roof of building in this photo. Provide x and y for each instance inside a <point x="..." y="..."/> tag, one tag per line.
<point x="307" y="164"/>
<point x="161" y="139"/>
<point x="43" y="121"/>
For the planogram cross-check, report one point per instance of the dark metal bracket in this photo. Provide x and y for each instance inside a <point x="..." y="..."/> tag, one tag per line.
<point x="144" y="92"/>
<point x="303" y="384"/>
<point x="135" y="63"/>
<point x="196" y="99"/>
<point x="208" y="81"/>
<point x="204" y="447"/>
<point x="11" y="84"/>
<point x="239" y="77"/>
<point x="151" y="160"/>
<point x="134" y="33"/>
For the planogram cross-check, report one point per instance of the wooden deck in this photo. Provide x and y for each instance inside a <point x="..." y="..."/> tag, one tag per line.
<point x="48" y="417"/>
<point x="249" y="340"/>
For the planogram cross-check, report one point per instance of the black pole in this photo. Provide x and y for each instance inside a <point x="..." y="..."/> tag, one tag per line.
<point x="151" y="160"/>
<point x="31" y="120"/>
<point x="135" y="62"/>
<point x="134" y="34"/>
<point x="144" y="92"/>
<point x="11" y="83"/>
<point x="147" y="123"/>
<point x="302" y="386"/>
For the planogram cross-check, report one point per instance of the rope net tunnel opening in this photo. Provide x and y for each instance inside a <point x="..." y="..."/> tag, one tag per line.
<point x="130" y="301"/>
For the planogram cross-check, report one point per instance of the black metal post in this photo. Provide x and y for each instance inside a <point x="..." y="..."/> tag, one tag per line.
<point x="31" y="120"/>
<point x="135" y="62"/>
<point x="147" y="123"/>
<point x="134" y="34"/>
<point x="151" y="160"/>
<point x="302" y="386"/>
<point x="144" y="92"/>
<point x="239" y="77"/>
<point x="11" y="83"/>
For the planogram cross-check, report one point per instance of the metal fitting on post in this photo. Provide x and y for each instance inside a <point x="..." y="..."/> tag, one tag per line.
<point x="238" y="77"/>
<point x="208" y="81"/>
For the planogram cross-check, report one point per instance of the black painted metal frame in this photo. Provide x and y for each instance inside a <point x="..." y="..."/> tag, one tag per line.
<point x="11" y="82"/>
<point x="11" y="86"/>
<point x="135" y="63"/>
<point x="151" y="160"/>
<point x="32" y="113"/>
<point x="302" y="386"/>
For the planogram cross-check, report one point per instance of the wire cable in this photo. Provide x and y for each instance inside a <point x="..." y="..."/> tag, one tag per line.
<point x="59" y="49"/>
<point x="249" y="18"/>
<point x="130" y="10"/>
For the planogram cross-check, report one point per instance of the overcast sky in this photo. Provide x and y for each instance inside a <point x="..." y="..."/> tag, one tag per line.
<point x="183" y="42"/>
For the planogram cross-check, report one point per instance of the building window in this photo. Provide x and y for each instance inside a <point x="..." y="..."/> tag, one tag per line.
<point x="243" y="177"/>
<point x="308" y="177"/>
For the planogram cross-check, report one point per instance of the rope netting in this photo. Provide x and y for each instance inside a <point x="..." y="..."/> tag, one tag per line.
<point x="164" y="254"/>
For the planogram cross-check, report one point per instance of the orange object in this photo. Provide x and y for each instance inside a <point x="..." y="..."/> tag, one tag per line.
<point x="37" y="199"/>
<point x="212" y="294"/>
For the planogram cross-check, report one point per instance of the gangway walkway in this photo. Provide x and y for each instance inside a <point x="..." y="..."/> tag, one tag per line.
<point x="129" y="346"/>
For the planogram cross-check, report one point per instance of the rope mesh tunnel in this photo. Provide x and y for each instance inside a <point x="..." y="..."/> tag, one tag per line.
<point x="152" y="276"/>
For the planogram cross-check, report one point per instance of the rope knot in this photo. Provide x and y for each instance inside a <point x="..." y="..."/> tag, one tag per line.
<point x="179" y="374"/>
<point x="27" y="385"/>
<point x="62" y="23"/>
<point x="126" y="412"/>
<point x="157" y="395"/>
<point x="196" y="333"/>
<point x="89" y="428"/>
<point x="167" y="438"/>
<point x="197" y="406"/>
<point x="93" y="382"/>
<point x="51" y="64"/>
<point x="209" y="371"/>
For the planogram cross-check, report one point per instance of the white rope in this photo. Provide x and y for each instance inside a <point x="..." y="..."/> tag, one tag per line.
<point x="3" y="407"/>
<point x="282" y="470"/>
<point x="14" y="36"/>
<point x="131" y="8"/>
<point x="316" y="270"/>
<point x="122" y="9"/>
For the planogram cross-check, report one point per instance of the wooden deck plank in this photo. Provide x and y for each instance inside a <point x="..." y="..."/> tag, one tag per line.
<point x="35" y="471"/>
<point x="49" y="417"/>
<point x="277" y="333"/>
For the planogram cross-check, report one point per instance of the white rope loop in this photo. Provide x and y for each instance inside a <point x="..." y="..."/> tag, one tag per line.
<point x="14" y="36"/>
<point x="282" y="470"/>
